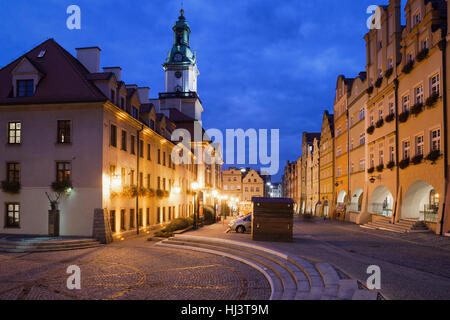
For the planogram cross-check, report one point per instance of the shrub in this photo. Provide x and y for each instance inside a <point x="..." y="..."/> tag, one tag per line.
<point x="388" y="73"/>
<point x="208" y="215"/>
<point x="404" y="164"/>
<point x="390" y="118"/>
<point x="175" y="225"/>
<point x="417" y="159"/>
<point x="130" y="192"/>
<point x="159" y="193"/>
<point x="433" y="156"/>
<point x="417" y="108"/>
<point x="379" y="82"/>
<point x="379" y="123"/>
<point x="380" y="168"/>
<point x="403" y="117"/>
<point x="408" y="67"/>
<point x="370" y="170"/>
<point x="61" y="186"/>
<point x="370" y="90"/>
<point x="391" y="165"/>
<point x="371" y="130"/>
<point x="422" y="54"/>
<point x="432" y="100"/>
<point x="11" y="186"/>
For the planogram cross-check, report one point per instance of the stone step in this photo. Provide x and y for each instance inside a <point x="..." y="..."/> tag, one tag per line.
<point x="19" y="247"/>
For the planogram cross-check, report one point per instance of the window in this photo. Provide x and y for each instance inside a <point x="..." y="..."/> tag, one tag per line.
<point x="338" y="151"/>
<point x="63" y="133"/>
<point x="123" y="176"/>
<point x="122" y="103"/>
<point x="416" y="19"/>
<point x="435" y="85"/>
<point x="149" y="152"/>
<point x="418" y="94"/>
<point x="436" y="140"/>
<point x="164" y="215"/>
<point x="164" y="158"/>
<point x="405" y="103"/>
<point x="132" y="177"/>
<point x="390" y="63"/>
<point x="159" y="183"/>
<point x="406" y="150"/>
<point x="419" y="146"/>
<point x="362" y="114"/>
<point x="12" y="215"/>
<point x="381" y="157"/>
<point x="159" y="156"/>
<point x="391" y="108"/>
<point x="124" y="141"/>
<point x="380" y="114"/>
<point x="372" y="160"/>
<point x="362" y="165"/>
<point x="122" y="220"/>
<point x="158" y="215"/>
<point x="371" y="121"/>
<point x="25" y="88"/>
<point x="13" y="172"/>
<point x="141" y="179"/>
<point x="133" y="145"/>
<point x="141" y="148"/>
<point x="424" y="44"/>
<point x="147" y="216"/>
<point x="113" y="96"/>
<point x="113" y="137"/>
<point x="391" y="154"/>
<point x="164" y="184"/>
<point x="134" y="112"/>
<point x="339" y="172"/>
<point x="14" y="132"/>
<point x="63" y="171"/>
<point x="140" y="218"/>
<point x="112" y="220"/>
<point x="149" y="181"/>
<point x="132" y="218"/>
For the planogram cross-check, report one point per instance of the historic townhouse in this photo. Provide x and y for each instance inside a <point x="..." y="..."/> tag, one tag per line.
<point x="357" y="105"/>
<point x="232" y="183"/>
<point x="99" y="144"/>
<point x="310" y="148"/>
<point x="252" y="186"/>
<point x="326" y="160"/>
<point x="341" y="144"/>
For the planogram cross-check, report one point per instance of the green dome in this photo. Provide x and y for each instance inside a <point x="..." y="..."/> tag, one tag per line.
<point x="181" y="53"/>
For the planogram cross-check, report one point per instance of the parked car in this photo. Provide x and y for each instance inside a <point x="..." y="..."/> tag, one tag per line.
<point x="241" y="225"/>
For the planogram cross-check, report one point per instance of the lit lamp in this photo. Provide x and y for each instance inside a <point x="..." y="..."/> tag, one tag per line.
<point x="116" y="182"/>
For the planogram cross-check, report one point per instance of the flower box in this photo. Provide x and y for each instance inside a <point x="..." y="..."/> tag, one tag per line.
<point x="432" y="100"/>
<point x="390" y="165"/>
<point x="433" y="156"/>
<point x="370" y="90"/>
<point x="404" y="164"/>
<point x="403" y="117"/>
<point x="11" y="186"/>
<point x="379" y="82"/>
<point x="380" y="168"/>
<point x="61" y="186"/>
<point x="417" y="159"/>
<point x="370" y="170"/>
<point x="422" y="54"/>
<point x="390" y="118"/>
<point x="417" y="109"/>
<point x="379" y="123"/>
<point x="371" y="130"/>
<point x="388" y="73"/>
<point x="408" y="67"/>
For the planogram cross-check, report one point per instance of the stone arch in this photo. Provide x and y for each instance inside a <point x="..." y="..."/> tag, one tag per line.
<point x="381" y="202"/>
<point x="357" y="200"/>
<point x="342" y="197"/>
<point x="421" y="202"/>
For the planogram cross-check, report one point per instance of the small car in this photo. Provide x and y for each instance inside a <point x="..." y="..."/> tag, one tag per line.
<point x="241" y="225"/>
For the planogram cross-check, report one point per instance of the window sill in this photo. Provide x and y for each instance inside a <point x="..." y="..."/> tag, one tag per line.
<point x="13" y="144"/>
<point x="62" y="144"/>
<point x="12" y="227"/>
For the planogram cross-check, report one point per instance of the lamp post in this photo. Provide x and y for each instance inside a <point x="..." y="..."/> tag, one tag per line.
<point x="215" y="194"/>
<point x="195" y="187"/>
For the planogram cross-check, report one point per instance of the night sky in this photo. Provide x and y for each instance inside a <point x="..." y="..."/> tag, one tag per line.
<point x="263" y="64"/>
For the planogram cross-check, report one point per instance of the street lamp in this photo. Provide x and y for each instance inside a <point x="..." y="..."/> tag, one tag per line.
<point x="215" y="194"/>
<point x="195" y="186"/>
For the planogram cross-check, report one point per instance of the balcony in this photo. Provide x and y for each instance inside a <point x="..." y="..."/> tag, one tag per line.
<point x="178" y="95"/>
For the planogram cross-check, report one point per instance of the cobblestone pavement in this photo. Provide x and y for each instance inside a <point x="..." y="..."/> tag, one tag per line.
<point x="133" y="269"/>
<point x="413" y="266"/>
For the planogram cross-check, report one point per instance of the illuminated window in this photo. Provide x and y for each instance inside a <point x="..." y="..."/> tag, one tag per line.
<point x="64" y="127"/>
<point x="12" y="215"/>
<point x="63" y="171"/>
<point x="436" y="140"/>
<point x="435" y="85"/>
<point x="14" y="132"/>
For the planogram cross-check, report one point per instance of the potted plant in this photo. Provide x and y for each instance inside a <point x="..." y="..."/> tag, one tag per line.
<point x="390" y="165"/>
<point x="379" y="123"/>
<point x="61" y="186"/>
<point x="433" y="156"/>
<point x="379" y="82"/>
<point x="159" y="193"/>
<point x="432" y="100"/>
<point x="388" y="73"/>
<point x="150" y="193"/>
<point x="422" y="54"/>
<point x="390" y="118"/>
<point x="371" y="130"/>
<point x="371" y="170"/>
<point x="417" y="159"/>
<point x="380" y="168"/>
<point x="408" y="67"/>
<point x="404" y="163"/>
<point x="417" y="108"/>
<point x="370" y="90"/>
<point x="403" y="117"/>
<point x="11" y="186"/>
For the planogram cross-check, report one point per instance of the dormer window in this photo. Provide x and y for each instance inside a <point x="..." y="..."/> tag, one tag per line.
<point x="134" y="112"/>
<point x="25" y="88"/>
<point x="122" y="103"/>
<point x="416" y="19"/>
<point x="113" y="96"/>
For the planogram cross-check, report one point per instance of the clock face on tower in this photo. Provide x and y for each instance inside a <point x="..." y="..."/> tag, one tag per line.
<point x="178" y="57"/>
<point x="178" y="74"/>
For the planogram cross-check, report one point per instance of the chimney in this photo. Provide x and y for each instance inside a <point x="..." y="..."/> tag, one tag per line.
<point x="116" y="70"/>
<point x="144" y="94"/>
<point x="90" y="58"/>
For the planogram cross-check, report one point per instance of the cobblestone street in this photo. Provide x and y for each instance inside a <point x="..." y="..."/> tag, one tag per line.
<point x="132" y="269"/>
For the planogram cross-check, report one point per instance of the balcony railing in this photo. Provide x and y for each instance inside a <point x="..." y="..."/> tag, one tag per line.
<point x="354" y="207"/>
<point x="190" y="95"/>
<point x="380" y="209"/>
<point x="430" y="213"/>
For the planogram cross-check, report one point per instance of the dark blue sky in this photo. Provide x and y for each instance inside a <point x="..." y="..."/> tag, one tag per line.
<point x="264" y="64"/>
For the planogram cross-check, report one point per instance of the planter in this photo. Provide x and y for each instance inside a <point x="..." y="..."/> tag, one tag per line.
<point x="370" y="90"/>
<point x="388" y="73"/>
<point x="130" y="192"/>
<point x="159" y="193"/>
<point x="408" y="67"/>
<point x="390" y="118"/>
<point x="417" y="159"/>
<point x="61" y="186"/>
<point x="371" y="130"/>
<point x="403" y="117"/>
<point x="404" y="164"/>
<point x="11" y="187"/>
<point x="379" y="123"/>
<point x="379" y="82"/>
<point x="433" y="156"/>
<point x="422" y="54"/>
<point x="371" y="170"/>
<point x="380" y="168"/>
<point x="390" y="165"/>
<point x="432" y="100"/>
<point x="417" y="109"/>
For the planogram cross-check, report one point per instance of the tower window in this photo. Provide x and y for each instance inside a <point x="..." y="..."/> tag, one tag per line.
<point x="25" y="88"/>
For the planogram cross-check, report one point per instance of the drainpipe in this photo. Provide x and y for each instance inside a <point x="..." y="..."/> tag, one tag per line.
<point x="397" y="185"/>
<point x="138" y="154"/>
<point x="443" y="48"/>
